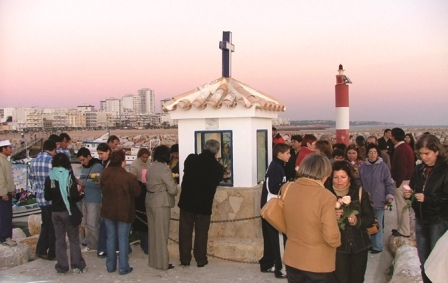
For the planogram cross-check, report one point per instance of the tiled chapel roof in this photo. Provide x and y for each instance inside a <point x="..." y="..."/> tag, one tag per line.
<point x="223" y="91"/>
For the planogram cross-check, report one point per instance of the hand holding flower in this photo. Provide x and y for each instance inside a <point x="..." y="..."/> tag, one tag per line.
<point x="409" y="195"/>
<point x="344" y="212"/>
<point x="407" y="191"/>
<point x="95" y="177"/>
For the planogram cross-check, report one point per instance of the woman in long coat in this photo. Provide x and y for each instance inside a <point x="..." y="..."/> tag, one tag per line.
<point x="161" y="189"/>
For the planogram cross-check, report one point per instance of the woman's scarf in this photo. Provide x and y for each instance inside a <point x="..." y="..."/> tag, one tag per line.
<point x="342" y="192"/>
<point x="62" y="175"/>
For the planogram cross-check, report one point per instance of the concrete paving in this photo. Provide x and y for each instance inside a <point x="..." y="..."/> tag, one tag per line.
<point x="216" y="271"/>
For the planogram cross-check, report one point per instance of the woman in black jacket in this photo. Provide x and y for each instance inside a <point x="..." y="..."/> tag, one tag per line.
<point x="351" y="256"/>
<point x="429" y="196"/>
<point x="61" y="189"/>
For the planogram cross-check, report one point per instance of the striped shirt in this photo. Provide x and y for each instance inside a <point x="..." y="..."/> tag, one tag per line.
<point x="39" y="170"/>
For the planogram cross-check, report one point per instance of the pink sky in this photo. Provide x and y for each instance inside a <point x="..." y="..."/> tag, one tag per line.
<point x="67" y="53"/>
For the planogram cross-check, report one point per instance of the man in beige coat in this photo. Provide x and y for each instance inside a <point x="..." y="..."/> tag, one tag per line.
<point x="7" y="192"/>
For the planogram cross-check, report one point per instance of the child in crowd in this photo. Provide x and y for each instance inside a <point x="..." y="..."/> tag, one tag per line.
<point x="274" y="179"/>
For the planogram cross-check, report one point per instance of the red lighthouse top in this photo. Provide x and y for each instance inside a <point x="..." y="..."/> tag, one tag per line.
<point x="341" y="78"/>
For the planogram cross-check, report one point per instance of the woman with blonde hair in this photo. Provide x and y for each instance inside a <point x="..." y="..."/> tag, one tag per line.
<point x="312" y="229"/>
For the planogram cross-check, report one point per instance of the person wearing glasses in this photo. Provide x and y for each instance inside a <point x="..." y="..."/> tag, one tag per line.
<point x="374" y="177"/>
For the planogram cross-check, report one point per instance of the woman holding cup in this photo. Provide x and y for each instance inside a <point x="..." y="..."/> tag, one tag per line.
<point x="428" y="192"/>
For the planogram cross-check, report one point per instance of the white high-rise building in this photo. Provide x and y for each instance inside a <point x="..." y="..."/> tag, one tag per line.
<point x="147" y="99"/>
<point x="113" y="105"/>
<point x="131" y="103"/>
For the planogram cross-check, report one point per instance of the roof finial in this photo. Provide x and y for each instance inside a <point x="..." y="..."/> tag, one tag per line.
<point x="227" y="48"/>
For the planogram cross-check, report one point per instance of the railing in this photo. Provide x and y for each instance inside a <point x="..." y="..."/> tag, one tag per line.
<point x="26" y="145"/>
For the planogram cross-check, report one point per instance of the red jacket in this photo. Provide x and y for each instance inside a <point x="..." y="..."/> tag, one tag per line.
<point x="402" y="164"/>
<point x="277" y="139"/>
<point x="303" y="152"/>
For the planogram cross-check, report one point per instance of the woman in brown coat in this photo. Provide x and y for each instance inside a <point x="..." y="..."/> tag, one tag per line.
<point x="312" y="229"/>
<point x="119" y="188"/>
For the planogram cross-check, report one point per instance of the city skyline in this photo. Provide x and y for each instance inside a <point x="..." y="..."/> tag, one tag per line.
<point x="60" y="54"/>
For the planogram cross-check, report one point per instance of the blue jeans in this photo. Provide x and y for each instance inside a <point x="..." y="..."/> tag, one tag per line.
<point x="117" y="231"/>
<point x="377" y="239"/>
<point x="427" y="234"/>
<point x="102" y="236"/>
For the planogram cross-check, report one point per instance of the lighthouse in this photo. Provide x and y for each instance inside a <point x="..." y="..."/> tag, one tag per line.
<point x="342" y="107"/>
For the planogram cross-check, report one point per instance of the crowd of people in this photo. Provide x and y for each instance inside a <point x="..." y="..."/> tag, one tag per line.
<point x="109" y="200"/>
<point x="372" y="174"/>
<point x="336" y="192"/>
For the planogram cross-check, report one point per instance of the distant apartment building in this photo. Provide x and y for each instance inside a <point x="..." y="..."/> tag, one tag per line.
<point x="103" y="105"/>
<point x="85" y="108"/>
<point x="76" y="119"/>
<point x="131" y="103"/>
<point x="5" y="113"/>
<point x="281" y="122"/>
<point x="147" y="99"/>
<point x="165" y="118"/>
<point x="113" y="105"/>
<point x="91" y="119"/>
<point x="104" y="119"/>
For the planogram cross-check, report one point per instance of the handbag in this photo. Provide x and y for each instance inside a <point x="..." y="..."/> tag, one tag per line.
<point x="272" y="211"/>
<point x="375" y="228"/>
<point x="76" y="217"/>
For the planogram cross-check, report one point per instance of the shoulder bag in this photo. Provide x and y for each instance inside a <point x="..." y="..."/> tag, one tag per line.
<point x="76" y="217"/>
<point x="372" y="230"/>
<point x="272" y="211"/>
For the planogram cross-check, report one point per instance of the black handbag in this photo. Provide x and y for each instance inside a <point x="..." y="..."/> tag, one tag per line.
<point x="76" y="217"/>
<point x="375" y="228"/>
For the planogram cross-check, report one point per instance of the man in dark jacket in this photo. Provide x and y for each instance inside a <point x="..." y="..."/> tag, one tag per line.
<point x="290" y="167"/>
<point x="202" y="174"/>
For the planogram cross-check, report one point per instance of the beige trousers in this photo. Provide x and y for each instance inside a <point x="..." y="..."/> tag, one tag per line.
<point x="403" y="220"/>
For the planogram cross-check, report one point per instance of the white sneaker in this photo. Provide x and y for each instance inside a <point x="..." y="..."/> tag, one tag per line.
<point x="9" y="242"/>
<point x="86" y="250"/>
<point x="79" y="270"/>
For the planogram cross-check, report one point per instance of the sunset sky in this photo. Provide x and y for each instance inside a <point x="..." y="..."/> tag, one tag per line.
<point x="57" y="53"/>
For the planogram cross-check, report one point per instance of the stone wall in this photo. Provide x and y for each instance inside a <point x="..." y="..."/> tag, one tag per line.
<point x="230" y="237"/>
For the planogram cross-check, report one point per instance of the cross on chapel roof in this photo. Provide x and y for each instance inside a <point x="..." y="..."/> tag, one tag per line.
<point x="227" y="48"/>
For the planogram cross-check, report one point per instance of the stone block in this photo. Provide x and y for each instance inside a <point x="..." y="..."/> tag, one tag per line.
<point x="18" y="234"/>
<point x="394" y="243"/>
<point x="34" y="222"/>
<point x="406" y="265"/>
<point x="13" y="256"/>
<point x="31" y="242"/>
